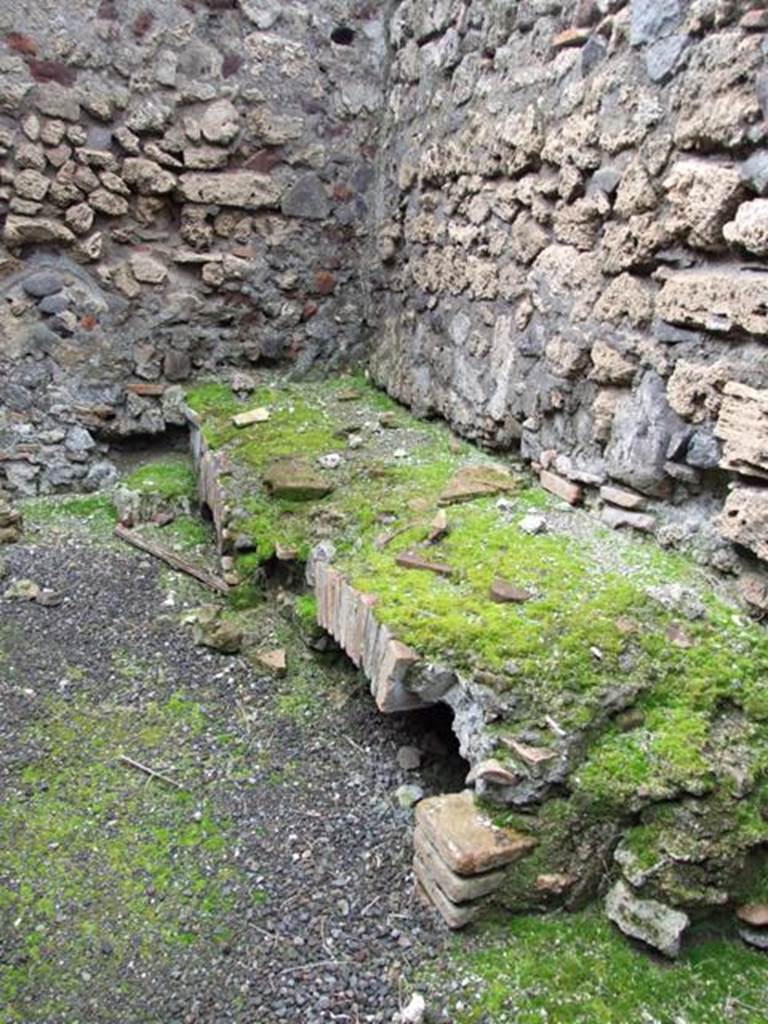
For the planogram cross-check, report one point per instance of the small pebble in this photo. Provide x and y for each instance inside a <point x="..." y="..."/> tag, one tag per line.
<point x="533" y="524"/>
<point x="409" y="758"/>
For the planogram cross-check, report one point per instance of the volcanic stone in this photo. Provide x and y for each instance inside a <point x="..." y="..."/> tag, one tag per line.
<point x="43" y="284"/>
<point x="220" y="635"/>
<point x="307" y="199"/>
<point x="648" y="920"/>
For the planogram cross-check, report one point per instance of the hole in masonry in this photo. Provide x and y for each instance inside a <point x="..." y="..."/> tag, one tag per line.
<point x="283" y="574"/>
<point x="128" y="453"/>
<point x="342" y="35"/>
<point x="442" y="768"/>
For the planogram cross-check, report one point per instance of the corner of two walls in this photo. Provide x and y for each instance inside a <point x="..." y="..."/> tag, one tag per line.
<point x="183" y="187"/>
<point x="571" y="250"/>
<point x="541" y="220"/>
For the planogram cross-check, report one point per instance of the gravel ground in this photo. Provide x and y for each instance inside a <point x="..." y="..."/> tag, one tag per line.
<point x="297" y="777"/>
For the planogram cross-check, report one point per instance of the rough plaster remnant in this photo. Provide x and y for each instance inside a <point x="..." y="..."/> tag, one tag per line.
<point x="56" y="101"/>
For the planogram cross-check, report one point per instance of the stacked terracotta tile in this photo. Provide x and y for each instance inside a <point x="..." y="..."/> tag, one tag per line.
<point x="461" y="857"/>
<point x="349" y="616"/>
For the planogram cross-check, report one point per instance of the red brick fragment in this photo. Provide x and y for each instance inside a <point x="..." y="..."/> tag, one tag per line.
<point x="325" y="282"/>
<point x="51" y="71"/>
<point x="143" y="23"/>
<point x="21" y="44"/>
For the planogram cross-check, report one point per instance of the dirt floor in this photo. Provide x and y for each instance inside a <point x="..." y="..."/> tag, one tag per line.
<point x="265" y="877"/>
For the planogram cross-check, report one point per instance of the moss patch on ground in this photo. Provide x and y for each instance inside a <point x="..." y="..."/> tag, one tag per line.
<point x="94" y="512"/>
<point x="101" y="860"/>
<point x="576" y="969"/>
<point x="171" y="477"/>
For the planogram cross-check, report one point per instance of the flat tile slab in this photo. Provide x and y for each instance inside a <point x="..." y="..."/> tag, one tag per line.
<point x="465" y="838"/>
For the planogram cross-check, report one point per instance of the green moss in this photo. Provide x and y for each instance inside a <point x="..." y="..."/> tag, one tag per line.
<point x="434" y="613"/>
<point x="187" y="533"/>
<point x="97" y="854"/>
<point x="590" y="641"/>
<point x="554" y="825"/>
<point x="305" y="608"/>
<point x="661" y="758"/>
<point x="212" y="397"/>
<point x="304" y="424"/>
<point x="168" y="478"/>
<point x="576" y="969"/>
<point x="95" y="512"/>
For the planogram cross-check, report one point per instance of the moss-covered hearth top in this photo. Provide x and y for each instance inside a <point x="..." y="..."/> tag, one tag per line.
<point x="609" y="673"/>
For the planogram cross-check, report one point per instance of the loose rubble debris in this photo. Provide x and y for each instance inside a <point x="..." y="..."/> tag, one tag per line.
<point x="647" y="920"/>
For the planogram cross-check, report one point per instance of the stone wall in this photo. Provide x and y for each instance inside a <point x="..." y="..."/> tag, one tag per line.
<point x="182" y="185"/>
<point x="571" y="242"/>
<point x="544" y="220"/>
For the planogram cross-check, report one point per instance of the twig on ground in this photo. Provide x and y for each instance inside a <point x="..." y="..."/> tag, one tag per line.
<point x="149" y="771"/>
<point x="386" y="538"/>
<point x="368" y="906"/>
<point x="208" y="579"/>
<point x="353" y="744"/>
